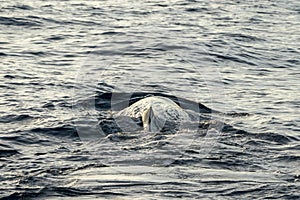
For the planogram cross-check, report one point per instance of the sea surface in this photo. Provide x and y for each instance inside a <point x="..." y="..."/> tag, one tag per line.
<point x="67" y="67"/>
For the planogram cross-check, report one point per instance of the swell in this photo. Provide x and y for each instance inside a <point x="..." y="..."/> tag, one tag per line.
<point x="103" y="101"/>
<point x="19" y="21"/>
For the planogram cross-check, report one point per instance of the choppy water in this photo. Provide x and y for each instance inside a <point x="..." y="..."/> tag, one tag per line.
<point x="61" y="60"/>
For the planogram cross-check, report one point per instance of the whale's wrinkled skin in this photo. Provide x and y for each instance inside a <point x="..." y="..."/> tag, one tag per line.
<point x="156" y="113"/>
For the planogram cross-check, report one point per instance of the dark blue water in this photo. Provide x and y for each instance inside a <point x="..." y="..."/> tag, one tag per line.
<point x="68" y="66"/>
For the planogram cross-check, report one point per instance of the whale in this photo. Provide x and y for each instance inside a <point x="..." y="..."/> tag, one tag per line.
<point x="131" y="113"/>
<point x="154" y="114"/>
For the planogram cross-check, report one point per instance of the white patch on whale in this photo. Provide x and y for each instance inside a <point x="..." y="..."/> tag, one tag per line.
<point x="155" y="112"/>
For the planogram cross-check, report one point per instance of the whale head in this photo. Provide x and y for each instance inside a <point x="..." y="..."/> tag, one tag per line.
<point x="157" y="113"/>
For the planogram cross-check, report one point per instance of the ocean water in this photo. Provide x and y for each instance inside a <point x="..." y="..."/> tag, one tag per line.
<point x="68" y="66"/>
